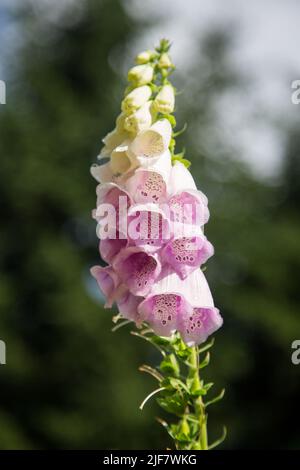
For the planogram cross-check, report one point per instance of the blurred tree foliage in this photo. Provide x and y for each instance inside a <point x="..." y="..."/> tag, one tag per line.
<point x="69" y="382"/>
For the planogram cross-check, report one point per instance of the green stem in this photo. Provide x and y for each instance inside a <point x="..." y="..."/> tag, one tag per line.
<point x="198" y="402"/>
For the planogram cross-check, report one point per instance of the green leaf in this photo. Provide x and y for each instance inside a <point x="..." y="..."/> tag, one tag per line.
<point x="205" y="361"/>
<point x="208" y="386"/>
<point x="181" y="131"/>
<point x="220" y="440"/>
<point x="206" y="346"/>
<point x="216" y="399"/>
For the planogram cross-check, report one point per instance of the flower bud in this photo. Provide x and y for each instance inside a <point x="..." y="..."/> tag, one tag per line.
<point x="140" y="120"/>
<point x="165" y="100"/>
<point x="165" y="61"/>
<point x="144" y="57"/>
<point x="135" y="99"/>
<point x="141" y="74"/>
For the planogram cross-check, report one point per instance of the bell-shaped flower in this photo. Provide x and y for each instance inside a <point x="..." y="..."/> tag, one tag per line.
<point x="117" y="168"/>
<point x="138" y="270"/>
<point x="140" y="120"/>
<point x="148" y="226"/>
<point x="150" y="184"/>
<point x="186" y="254"/>
<point x="141" y="74"/>
<point x="120" y="162"/>
<point x="151" y="144"/>
<point x="135" y="99"/>
<point x="109" y="283"/>
<point x="173" y="302"/>
<point x="164" y="101"/>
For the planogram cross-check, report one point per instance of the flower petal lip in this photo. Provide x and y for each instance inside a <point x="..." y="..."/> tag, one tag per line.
<point x="186" y="254"/>
<point x="163" y="311"/>
<point x="196" y="328"/>
<point x="102" y="173"/>
<point x="137" y="269"/>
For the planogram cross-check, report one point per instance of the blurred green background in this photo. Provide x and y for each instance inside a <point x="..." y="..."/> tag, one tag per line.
<point x="69" y="382"/>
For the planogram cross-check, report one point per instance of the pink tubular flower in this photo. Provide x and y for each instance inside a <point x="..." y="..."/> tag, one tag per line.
<point x="187" y="254"/>
<point x="137" y="269"/>
<point x="196" y="328"/>
<point x="173" y="302"/>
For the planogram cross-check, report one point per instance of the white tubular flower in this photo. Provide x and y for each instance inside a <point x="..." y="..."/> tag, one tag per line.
<point x="140" y="120"/>
<point x="165" y="61"/>
<point x="135" y="99"/>
<point x="117" y="169"/>
<point x="144" y="57"/>
<point x="141" y="74"/>
<point x="151" y="144"/>
<point x="165" y="100"/>
<point x="112" y="140"/>
<point x="120" y="162"/>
